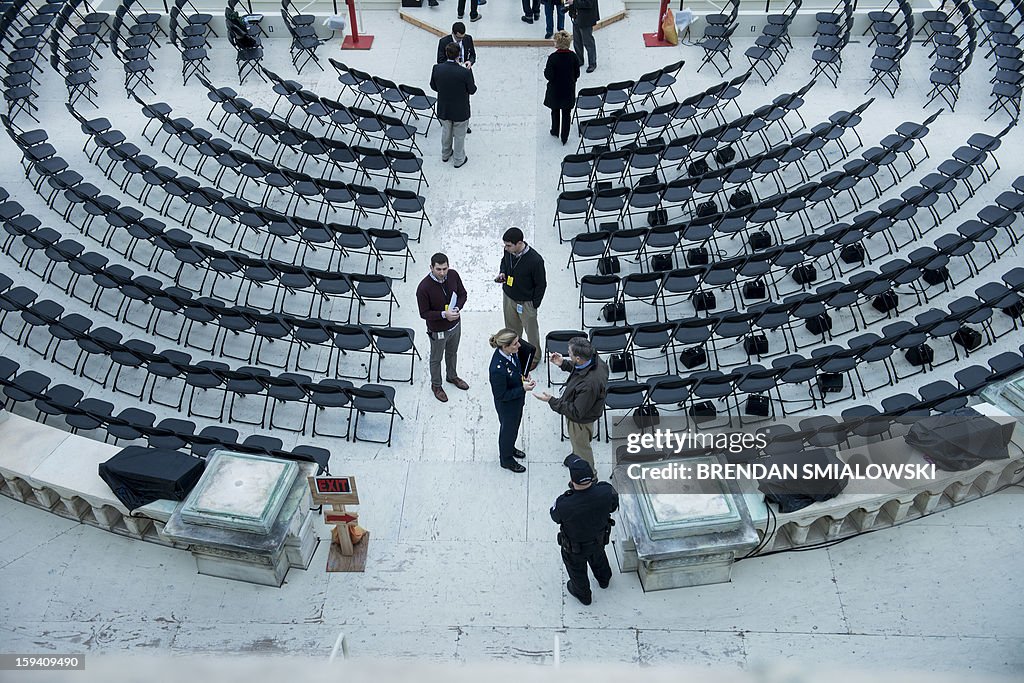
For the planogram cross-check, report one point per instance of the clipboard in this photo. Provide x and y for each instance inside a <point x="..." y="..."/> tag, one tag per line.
<point x="527" y="352"/>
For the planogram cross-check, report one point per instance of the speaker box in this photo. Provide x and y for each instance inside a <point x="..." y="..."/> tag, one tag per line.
<point x="755" y="289"/>
<point x="657" y="217"/>
<point x="621" y="362"/>
<point x="661" y="262"/>
<point x="830" y="382"/>
<point x="819" y="324"/>
<point x="968" y="337"/>
<point x="613" y="312"/>
<point x="758" y="405"/>
<point x="704" y="301"/>
<point x="697" y="256"/>
<point x="693" y="357"/>
<point x="646" y="416"/>
<point x="703" y="409"/>
<point x="885" y="302"/>
<point x="935" y="276"/>
<point x="852" y="254"/>
<point x="920" y="355"/>
<point x="805" y="274"/>
<point x="608" y="265"/>
<point x="755" y="344"/>
<point x="760" y="239"/>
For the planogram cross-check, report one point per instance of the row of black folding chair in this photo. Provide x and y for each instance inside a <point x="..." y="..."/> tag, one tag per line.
<point x="597" y="101"/>
<point x="204" y="323"/>
<point x="304" y="39"/>
<point x="893" y="33"/>
<point x="74" y="57"/>
<point x="386" y="93"/>
<point x="831" y="36"/>
<point x="90" y="414"/>
<point x="24" y="36"/>
<point x="771" y="48"/>
<point x="954" y="48"/>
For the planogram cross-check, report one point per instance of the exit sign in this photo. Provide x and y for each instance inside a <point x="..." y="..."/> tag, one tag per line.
<point x="334" y="490"/>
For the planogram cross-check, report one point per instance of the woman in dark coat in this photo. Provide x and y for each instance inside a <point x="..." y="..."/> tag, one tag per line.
<point x="509" y="386"/>
<point x="562" y="71"/>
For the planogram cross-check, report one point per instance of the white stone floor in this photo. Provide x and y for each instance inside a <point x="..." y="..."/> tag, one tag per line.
<point x="462" y="563"/>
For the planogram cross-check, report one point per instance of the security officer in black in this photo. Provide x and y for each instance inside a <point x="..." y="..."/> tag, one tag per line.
<point x="584" y="511"/>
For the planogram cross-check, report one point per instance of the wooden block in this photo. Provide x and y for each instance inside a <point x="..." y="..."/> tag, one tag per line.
<point x="336" y="562"/>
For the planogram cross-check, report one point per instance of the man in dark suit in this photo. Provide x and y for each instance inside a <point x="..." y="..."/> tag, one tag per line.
<point x="453" y="83"/>
<point x="467" y="54"/>
<point x="584" y="13"/>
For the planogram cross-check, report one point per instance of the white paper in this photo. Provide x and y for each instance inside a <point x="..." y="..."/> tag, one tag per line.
<point x="451" y="304"/>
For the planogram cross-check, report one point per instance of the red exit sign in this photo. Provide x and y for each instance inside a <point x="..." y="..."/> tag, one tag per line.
<point x="334" y="490"/>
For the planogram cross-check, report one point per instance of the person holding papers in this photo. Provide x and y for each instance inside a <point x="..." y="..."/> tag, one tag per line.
<point x="441" y="297"/>
<point x="509" y="383"/>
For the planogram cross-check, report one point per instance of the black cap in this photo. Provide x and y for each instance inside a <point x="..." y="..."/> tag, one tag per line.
<point x="579" y="470"/>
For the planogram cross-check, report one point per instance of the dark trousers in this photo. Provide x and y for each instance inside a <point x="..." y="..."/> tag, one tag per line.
<point x="510" y="415"/>
<point x="583" y="37"/>
<point x="576" y="565"/>
<point x="472" y="8"/>
<point x="560" y="120"/>
<point x="531" y="7"/>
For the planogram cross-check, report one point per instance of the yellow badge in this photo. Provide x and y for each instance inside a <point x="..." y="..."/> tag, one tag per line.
<point x="509" y="280"/>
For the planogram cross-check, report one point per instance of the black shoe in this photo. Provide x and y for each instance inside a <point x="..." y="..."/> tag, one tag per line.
<point x="482" y="2"/>
<point x="463" y="163"/>
<point x="547" y="36"/>
<point x="461" y="15"/>
<point x="536" y="16"/>
<point x="592" y="68"/>
<point x="554" y="133"/>
<point x="433" y="3"/>
<point x="604" y="584"/>
<point x="468" y="130"/>
<point x="514" y="466"/>
<point x="528" y="20"/>
<point x="573" y="593"/>
<point x="476" y="18"/>
<point x="519" y="454"/>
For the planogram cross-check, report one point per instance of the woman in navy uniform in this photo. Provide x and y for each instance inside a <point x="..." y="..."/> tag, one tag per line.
<point x="509" y="384"/>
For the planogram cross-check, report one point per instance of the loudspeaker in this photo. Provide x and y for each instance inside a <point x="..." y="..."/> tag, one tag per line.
<point x="657" y="217"/>
<point x="646" y="416"/>
<point x="852" y="253"/>
<point x="661" y="262"/>
<point x="968" y="337"/>
<point x="819" y="324"/>
<point x="693" y="357"/>
<point x="740" y="198"/>
<point x="920" y="355"/>
<point x="703" y="301"/>
<point x="621" y="362"/>
<point x="755" y="344"/>
<point x="697" y="256"/>
<point x="935" y="276"/>
<point x="708" y="208"/>
<point x="725" y="155"/>
<point x="609" y="227"/>
<point x="805" y="274"/>
<point x="698" y="168"/>
<point x="758" y="405"/>
<point x="1015" y="310"/>
<point x="760" y="239"/>
<point x="754" y="289"/>
<point x="703" y="409"/>
<point x="885" y="302"/>
<point x="830" y="382"/>
<point x="613" y="312"/>
<point x="608" y="265"/>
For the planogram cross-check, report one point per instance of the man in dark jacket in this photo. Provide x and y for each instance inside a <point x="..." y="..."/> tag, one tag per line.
<point x="584" y="13"/>
<point x="584" y="513"/>
<point x="454" y="84"/>
<point x="582" y="399"/>
<point x="523" y="283"/>
<point x="467" y="53"/>
<point x="440" y="297"/>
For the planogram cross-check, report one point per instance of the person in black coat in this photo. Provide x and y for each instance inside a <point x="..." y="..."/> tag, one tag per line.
<point x="454" y="84"/>
<point x="509" y="384"/>
<point x="467" y="54"/>
<point x="562" y="71"/>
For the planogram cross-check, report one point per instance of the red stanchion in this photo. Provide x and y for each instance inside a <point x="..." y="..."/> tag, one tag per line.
<point x="658" y="39"/>
<point x="354" y="41"/>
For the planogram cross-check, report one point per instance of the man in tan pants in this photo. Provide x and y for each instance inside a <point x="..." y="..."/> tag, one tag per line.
<point x="582" y="399"/>
<point x="523" y="283"/>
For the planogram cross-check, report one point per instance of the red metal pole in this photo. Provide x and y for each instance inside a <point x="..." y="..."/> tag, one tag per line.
<point x="354" y="41"/>
<point x="352" y="19"/>
<point x="658" y="39"/>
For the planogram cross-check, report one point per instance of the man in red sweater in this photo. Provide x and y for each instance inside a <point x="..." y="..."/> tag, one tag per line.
<point x="441" y="296"/>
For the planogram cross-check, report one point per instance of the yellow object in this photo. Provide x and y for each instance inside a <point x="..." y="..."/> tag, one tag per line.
<point x="509" y="280"/>
<point x="668" y="25"/>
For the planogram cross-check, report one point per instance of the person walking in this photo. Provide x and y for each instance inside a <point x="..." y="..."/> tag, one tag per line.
<point x="509" y="384"/>
<point x="584" y="13"/>
<point x="523" y="283"/>
<point x="453" y="83"/>
<point x="583" y="396"/>
<point x="562" y="71"/>
<point x="440" y="297"/>
<point x="584" y="515"/>
<point x="531" y="11"/>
